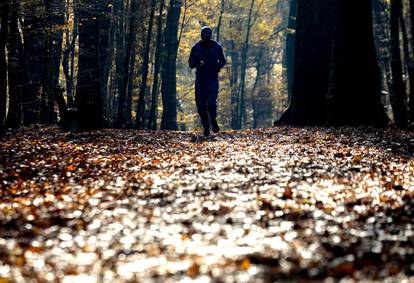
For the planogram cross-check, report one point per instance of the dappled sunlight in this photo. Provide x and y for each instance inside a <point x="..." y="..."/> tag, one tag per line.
<point x="265" y="204"/>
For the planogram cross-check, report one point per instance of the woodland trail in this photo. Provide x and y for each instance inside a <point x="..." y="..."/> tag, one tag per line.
<point x="280" y="204"/>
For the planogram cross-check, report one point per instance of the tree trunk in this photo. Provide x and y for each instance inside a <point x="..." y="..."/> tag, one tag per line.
<point x="383" y="49"/>
<point x="34" y="47"/>
<point x="4" y="14"/>
<point x="399" y="89"/>
<point x="121" y="121"/>
<point x="313" y="46"/>
<point x="411" y="66"/>
<point x="152" y="125"/>
<point x="234" y="75"/>
<point x="68" y="61"/>
<point x="120" y="60"/>
<point x="290" y="46"/>
<point x="222" y="9"/>
<point x="16" y="75"/>
<point x="355" y="91"/>
<point x="140" y="119"/>
<point x="88" y="94"/>
<point x="55" y="19"/>
<point x="169" y="80"/>
<point x="105" y="51"/>
<point x="241" y="111"/>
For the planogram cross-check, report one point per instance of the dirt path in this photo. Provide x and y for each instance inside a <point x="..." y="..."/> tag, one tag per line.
<point x="280" y="204"/>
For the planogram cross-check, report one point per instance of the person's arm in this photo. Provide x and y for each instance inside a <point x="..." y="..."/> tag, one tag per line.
<point x="193" y="61"/>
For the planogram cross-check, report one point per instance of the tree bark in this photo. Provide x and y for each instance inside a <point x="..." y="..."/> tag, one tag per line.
<point x="220" y="20"/>
<point x="152" y="124"/>
<point x="68" y="61"/>
<point x="169" y="80"/>
<point x="355" y="93"/>
<point x="399" y="89"/>
<point x="313" y="52"/>
<point x="140" y="118"/>
<point x="121" y="121"/>
<point x="241" y="111"/>
<point x="234" y="75"/>
<point x="55" y="19"/>
<point x="34" y="64"/>
<point x="290" y="46"/>
<point x="16" y="74"/>
<point x="120" y="60"/>
<point x="88" y="94"/>
<point x="411" y="66"/>
<point x="4" y="15"/>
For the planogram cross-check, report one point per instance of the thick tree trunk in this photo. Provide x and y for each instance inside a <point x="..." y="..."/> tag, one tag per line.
<point x="120" y="60"/>
<point x="399" y="89"/>
<point x="337" y="78"/>
<point x="411" y="67"/>
<point x="140" y="119"/>
<point x="152" y="125"/>
<point x="34" y="47"/>
<point x="313" y="46"/>
<point x="16" y="75"/>
<point x="4" y="15"/>
<point x="290" y="47"/>
<point x="88" y="94"/>
<point x="356" y="80"/>
<point x="169" y="80"/>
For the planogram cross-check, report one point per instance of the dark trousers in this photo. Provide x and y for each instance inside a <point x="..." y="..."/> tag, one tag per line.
<point x="206" y="93"/>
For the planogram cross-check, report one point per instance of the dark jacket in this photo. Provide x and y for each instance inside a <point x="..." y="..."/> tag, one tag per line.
<point x="208" y="58"/>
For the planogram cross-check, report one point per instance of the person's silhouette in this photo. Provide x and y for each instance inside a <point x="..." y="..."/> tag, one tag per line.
<point x="207" y="56"/>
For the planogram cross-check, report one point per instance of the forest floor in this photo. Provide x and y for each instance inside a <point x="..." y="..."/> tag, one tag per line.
<point x="281" y="204"/>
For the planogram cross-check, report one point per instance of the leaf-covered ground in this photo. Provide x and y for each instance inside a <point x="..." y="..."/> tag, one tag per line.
<point x="282" y="204"/>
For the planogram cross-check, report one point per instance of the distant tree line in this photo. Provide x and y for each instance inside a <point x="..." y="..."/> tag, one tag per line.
<point x="352" y="59"/>
<point x="103" y="48"/>
<point x="89" y="64"/>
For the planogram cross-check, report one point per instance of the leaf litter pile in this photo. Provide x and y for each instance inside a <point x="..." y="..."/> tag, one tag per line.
<point x="281" y="204"/>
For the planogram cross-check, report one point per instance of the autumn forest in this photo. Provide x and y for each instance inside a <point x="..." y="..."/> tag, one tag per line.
<point x="206" y="141"/>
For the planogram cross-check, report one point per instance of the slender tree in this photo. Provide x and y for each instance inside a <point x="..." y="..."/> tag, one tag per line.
<point x="220" y="20"/>
<point x="140" y="118"/>
<point x="152" y="124"/>
<point x="124" y="76"/>
<point x="55" y="19"/>
<point x="241" y="111"/>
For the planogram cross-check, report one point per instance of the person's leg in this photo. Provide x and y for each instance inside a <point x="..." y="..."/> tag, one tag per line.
<point x="212" y="105"/>
<point x="201" y="102"/>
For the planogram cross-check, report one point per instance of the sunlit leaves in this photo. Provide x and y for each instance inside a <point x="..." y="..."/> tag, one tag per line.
<point x="139" y="206"/>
